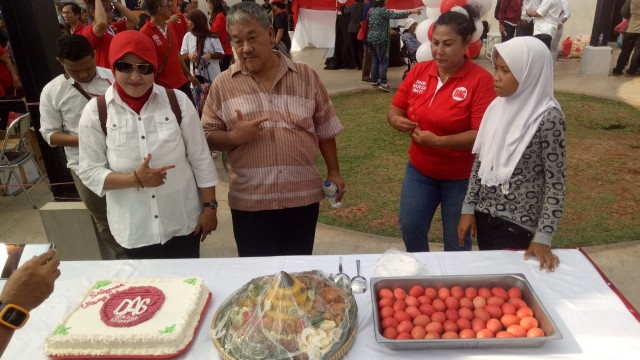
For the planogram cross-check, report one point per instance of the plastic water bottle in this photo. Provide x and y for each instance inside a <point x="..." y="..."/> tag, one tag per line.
<point x="331" y="193"/>
<point x="619" y="42"/>
<point x="600" y="39"/>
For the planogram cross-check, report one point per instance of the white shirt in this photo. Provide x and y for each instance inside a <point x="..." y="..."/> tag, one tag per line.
<point x="61" y="106"/>
<point x="547" y="23"/>
<point x="528" y="5"/>
<point x="566" y="11"/>
<point x="211" y="45"/>
<point x="147" y="216"/>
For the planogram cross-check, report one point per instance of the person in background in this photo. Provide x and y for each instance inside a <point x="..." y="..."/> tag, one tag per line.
<point x="28" y="287"/>
<point x="547" y="18"/>
<point x="194" y="4"/>
<point x="440" y="105"/>
<point x="9" y="77"/>
<point x="103" y="29"/>
<point x="178" y="20"/>
<point x="184" y="7"/>
<point x="202" y="46"/>
<point x="508" y="18"/>
<point x="172" y="72"/>
<point x="272" y="116"/>
<point x="281" y="26"/>
<point x="71" y="13"/>
<point x="377" y="41"/>
<point x="564" y="16"/>
<point x="630" y="41"/>
<point x="149" y="156"/>
<point x="357" y="46"/>
<point x="266" y="6"/>
<point x="366" y="56"/>
<point x="525" y="25"/>
<point x="409" y="38"/>
<point x="516" y="192"/>
<point x="219" y="26"/>
<point x="61" y="102"/>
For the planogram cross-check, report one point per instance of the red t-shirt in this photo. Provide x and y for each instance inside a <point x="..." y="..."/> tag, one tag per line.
<point x="6" y="81"/>
<point x="458" y="106"/>
<point x="219" y="26"/>
<point x="79" y="29"/>
<point x="171" y="76"/>
<point x="102" y="44"/>
<point x="180" y="27"/>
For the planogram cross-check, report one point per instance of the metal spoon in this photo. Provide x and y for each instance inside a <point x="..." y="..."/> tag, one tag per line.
<point x="358" y="283"/>
<point x="340" y="276"/>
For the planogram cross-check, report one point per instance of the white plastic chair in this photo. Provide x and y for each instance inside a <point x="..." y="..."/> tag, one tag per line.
<point x="12" y="157"/>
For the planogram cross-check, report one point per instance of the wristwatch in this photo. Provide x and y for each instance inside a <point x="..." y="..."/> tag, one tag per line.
<point x="12" y="316"/>
<point x="211" y="204"/>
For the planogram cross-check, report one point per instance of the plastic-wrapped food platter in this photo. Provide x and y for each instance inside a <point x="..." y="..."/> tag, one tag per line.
<point x="305" y="316"/>
<point x="519" y="281"/>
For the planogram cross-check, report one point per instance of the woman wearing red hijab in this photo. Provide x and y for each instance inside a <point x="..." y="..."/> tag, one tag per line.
<point x="149" y="157"/>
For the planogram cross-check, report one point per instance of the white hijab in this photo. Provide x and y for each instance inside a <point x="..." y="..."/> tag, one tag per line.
<point x="510" y="122"/>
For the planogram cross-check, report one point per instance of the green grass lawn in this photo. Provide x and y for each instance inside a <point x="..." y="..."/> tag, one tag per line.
<point x="603" y="174"/>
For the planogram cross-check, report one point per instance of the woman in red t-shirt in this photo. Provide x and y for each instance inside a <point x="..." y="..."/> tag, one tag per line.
<point x="219" y="26"/>
<point x="440" y="103"/>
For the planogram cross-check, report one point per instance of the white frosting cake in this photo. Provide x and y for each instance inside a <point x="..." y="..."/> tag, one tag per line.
<point x="155" y="318"/>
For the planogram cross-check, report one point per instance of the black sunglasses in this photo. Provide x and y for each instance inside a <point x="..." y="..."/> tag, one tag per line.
<point x="142" y="69"/>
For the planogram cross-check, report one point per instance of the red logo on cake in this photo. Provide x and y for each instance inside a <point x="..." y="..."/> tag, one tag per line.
<point x="131" y="306"/>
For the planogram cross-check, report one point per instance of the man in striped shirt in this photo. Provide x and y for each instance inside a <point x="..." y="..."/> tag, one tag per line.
<point x="272" y="116"/>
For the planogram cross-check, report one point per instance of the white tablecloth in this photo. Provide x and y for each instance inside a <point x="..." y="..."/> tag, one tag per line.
<point x="595" y="322"/>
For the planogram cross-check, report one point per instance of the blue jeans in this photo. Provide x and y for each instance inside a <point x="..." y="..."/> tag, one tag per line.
<point x="419" y="200"/>
<point x="379" y="62"/>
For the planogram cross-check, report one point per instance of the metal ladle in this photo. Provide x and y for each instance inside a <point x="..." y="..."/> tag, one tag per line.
<point x="341" y="277"/>
<point x="358" y="283"/>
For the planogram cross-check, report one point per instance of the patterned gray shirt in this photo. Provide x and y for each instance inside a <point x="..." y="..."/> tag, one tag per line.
<point x="537" y="186"/>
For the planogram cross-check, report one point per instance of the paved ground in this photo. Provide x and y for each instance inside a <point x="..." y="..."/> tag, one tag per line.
<point x="620" y="262"/>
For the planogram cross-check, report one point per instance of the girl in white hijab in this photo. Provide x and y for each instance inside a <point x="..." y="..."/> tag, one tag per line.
<point x="516" y="191"/>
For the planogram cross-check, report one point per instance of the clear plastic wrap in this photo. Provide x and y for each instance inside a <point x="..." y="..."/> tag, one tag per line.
<point x="286" y="316"/>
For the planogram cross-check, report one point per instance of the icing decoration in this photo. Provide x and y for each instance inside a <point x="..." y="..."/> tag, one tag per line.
<point x="61" y="330"/>
<point x="191" y="281"/>
<point x="102" y="283"/>
<point x="168" y="329"/>
<point x="131" y="306"/>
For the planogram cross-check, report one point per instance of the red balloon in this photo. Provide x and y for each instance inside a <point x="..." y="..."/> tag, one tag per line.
<point x="446" y="5"/>
<point x="430" y="35"/>
<point x="473" y="50"/>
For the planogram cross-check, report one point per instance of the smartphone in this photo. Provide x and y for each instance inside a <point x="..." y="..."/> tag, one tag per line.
<point x="12" y="256"/>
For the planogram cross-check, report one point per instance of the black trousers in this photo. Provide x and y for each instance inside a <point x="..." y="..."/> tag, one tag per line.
<point x="510" y="30"/>
<point x="179" y="247"/>
<point x="495" y="233"/>
<point x="357" y="50"/>
<point x="630" y="41"/>
<point x="545" y="38"/>
<point x="289" y="231"/>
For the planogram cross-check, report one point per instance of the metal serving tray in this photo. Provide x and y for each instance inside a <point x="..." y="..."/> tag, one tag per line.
<point x="545" y="322"/>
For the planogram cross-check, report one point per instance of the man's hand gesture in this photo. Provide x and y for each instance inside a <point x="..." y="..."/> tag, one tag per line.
<point x="246" y="130"/>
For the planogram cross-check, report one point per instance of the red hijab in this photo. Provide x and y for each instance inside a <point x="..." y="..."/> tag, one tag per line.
<point x="132" y="42"/>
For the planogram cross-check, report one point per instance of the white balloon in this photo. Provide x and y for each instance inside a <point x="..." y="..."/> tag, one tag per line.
<point x="422" y="31"/>
<point x="482" y="5"/>
<point x="432" y="3"/>
<point x="424" y="52"/>
<point x="433" y="12"/>
<point x="479" y="30"/>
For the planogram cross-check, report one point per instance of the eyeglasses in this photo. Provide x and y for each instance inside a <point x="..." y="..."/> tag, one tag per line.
<point x="142" y="69"/>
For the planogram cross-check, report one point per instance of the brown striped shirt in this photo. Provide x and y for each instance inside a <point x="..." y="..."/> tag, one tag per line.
<point x="278" y="169"/>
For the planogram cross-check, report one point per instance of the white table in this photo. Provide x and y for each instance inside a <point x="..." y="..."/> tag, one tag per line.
<point x="595" y="322"/>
